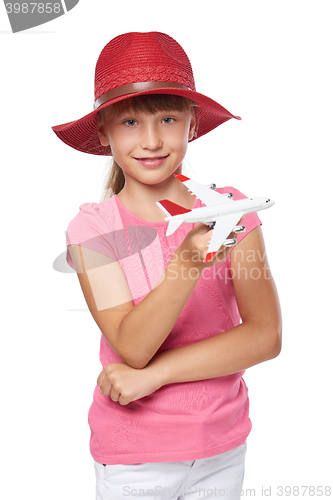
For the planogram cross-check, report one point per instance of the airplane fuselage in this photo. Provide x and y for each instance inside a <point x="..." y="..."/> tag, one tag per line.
<point x="214" y="212"/>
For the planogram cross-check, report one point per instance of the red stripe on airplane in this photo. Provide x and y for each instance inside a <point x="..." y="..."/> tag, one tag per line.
<point x="173" y="208"/>
<point x="181" y="177"/>
<point x="209" y="256"/>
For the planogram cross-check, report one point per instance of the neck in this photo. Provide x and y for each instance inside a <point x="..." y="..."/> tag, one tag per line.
<point x="141" y="199"/>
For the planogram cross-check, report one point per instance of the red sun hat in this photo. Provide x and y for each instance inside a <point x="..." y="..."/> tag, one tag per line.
<point x="136" y="64"/>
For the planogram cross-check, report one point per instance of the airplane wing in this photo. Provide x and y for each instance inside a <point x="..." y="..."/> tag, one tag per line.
<point x="206" y="195"/>
<point x="222" y="229"/>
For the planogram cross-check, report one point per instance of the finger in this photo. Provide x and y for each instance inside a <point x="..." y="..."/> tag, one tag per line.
<point x="104" y="374"/>
<point x="123" y="401"/>
<point x="101" y="378"/>
<point x="114" y="394"/>
<point x="105" y="388"/>
<point x="106" y="385"/>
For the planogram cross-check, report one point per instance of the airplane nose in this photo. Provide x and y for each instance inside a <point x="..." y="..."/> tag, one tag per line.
<point x="270" y="202"/>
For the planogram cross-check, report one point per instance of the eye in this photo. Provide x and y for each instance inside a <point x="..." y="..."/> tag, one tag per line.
<point x="168" y="119"/>
<point x="130" y="123"/>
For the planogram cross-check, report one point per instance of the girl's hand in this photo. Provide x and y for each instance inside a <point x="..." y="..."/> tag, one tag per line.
<point x="195" y="246"/>
<point x="125" y="384"/>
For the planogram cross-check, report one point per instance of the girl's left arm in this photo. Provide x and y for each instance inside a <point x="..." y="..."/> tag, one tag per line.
<point x="256" y="339"/>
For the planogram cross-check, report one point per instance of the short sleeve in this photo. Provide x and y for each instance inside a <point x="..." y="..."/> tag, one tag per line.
<point x="91" y="229"/>
<point x="251" y="220"/>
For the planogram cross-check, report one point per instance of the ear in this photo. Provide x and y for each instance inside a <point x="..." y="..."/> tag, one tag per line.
<point x="103" y="137"/>
<point x="191" y="131"/>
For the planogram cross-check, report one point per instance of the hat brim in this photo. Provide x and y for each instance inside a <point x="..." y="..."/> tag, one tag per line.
<point x="82" y="134"/>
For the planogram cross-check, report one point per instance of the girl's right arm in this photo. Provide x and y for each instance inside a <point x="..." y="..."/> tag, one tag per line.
<point x="136" y="333"/>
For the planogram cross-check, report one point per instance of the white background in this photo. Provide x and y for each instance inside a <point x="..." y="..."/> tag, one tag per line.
<point x="269" y="62"/>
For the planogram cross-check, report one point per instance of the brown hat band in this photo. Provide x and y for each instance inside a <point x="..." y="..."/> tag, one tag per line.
<point x="133" y="88"/>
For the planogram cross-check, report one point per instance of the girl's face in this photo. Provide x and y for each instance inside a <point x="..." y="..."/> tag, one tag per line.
<point x="149" y="147"/>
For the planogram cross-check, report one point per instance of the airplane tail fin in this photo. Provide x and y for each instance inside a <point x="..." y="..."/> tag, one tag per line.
<point x="171" y="209"/>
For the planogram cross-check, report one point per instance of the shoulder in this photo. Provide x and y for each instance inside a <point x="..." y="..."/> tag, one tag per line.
<point x="93" y="219"/>
<point x="90" y="211"/>
<point x="93" y="227"/>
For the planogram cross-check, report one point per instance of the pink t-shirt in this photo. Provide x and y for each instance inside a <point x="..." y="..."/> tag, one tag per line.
<point x="183" y="421"/>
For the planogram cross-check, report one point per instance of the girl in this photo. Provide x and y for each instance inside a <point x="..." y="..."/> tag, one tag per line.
<point x="170" y="414"/>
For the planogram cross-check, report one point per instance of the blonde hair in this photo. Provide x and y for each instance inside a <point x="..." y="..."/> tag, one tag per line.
<point x="114" y="179"/>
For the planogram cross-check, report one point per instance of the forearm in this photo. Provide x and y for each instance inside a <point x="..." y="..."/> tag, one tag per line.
<point x="227" y="353"/>
<point x="232" y="351"/>
<point x="143" y="330"/>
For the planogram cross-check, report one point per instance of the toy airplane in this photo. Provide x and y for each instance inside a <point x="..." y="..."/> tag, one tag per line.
<point x="220" y="212"/>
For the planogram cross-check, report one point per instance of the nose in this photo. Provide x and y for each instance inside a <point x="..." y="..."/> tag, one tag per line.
<point x="151" y="138"/>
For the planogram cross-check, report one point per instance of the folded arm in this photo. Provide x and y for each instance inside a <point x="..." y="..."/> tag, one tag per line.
<point x="255" y="340"/>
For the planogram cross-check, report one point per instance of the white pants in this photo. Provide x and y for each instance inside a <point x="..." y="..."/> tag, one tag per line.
<point x="218" y="477"/>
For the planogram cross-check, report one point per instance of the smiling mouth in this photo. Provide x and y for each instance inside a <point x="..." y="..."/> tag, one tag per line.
<point x="151" y="158"/>
<point x="151" y="161"/>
